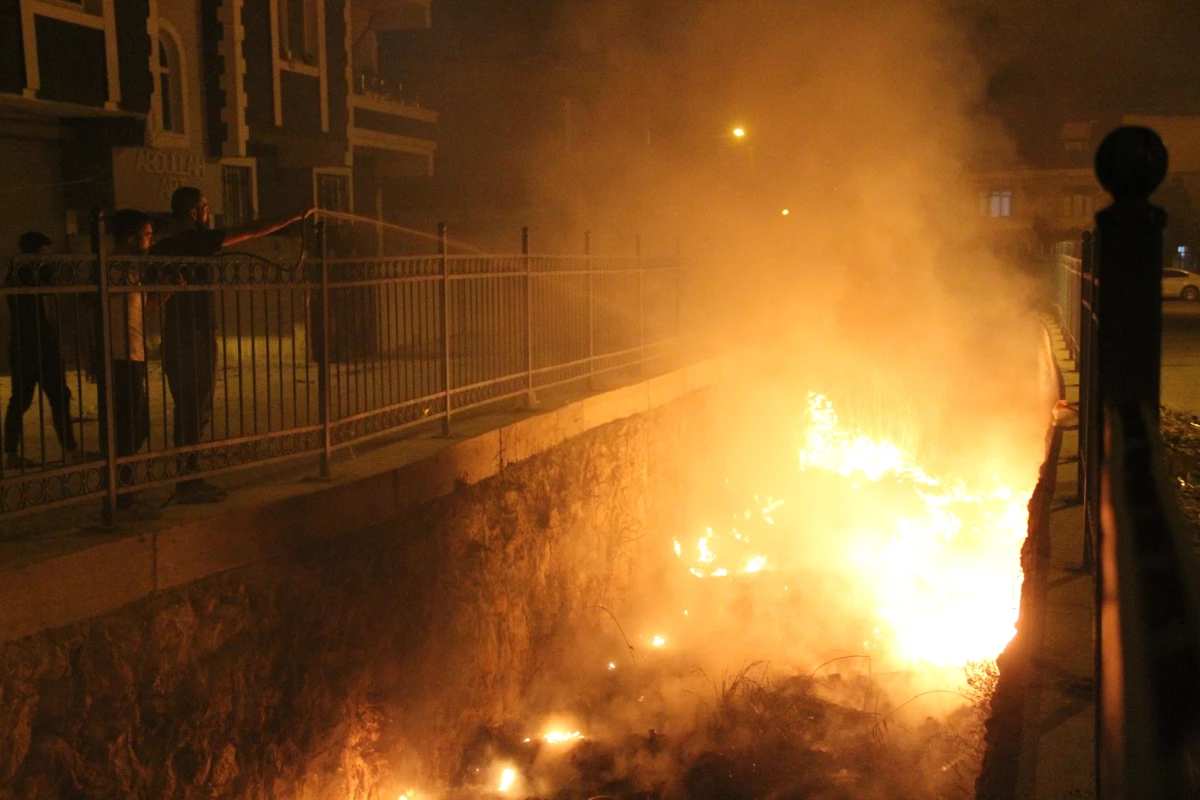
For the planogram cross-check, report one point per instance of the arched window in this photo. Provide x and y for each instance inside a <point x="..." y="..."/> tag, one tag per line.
<point x="170" y="84"/>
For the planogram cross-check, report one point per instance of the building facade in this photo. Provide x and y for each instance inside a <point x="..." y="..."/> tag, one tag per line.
<point x="268" y="105"/>
<point x="1031" y="208"/>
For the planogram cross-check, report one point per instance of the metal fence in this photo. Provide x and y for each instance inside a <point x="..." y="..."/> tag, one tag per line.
<point x="1067" y="272"/>
<point x="241" y="361"/>
<point x="1140" y="548"/>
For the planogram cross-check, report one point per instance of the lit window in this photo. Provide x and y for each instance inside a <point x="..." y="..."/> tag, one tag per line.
<point x="170" y="84"/>
<point x="995" y="203"/>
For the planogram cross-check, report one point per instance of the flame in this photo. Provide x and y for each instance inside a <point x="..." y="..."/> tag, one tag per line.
<point x="658" y="641"/>
<point x="561" y="737"/>
<point x="507" y="778"/>
<point x="943" y="573"/>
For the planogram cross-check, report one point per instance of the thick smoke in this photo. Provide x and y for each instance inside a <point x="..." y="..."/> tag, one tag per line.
<point x="863" y="120"/>
<point x="879" y="288"/>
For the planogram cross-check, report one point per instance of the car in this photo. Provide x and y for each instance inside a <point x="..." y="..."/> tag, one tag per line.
<point x="1178" y="282"/>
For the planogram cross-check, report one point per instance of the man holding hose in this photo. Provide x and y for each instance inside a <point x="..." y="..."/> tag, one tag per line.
<point x="189" y="343"/>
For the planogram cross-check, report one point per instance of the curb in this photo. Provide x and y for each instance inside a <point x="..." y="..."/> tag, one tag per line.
<point x="1000" y="777"/>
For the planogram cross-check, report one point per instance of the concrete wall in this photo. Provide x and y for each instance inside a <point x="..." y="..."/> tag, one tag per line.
<point x="361" y="657"/>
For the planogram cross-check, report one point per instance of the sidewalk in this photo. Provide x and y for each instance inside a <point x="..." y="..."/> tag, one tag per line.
<point x="1058" y="738"/>
<point x="58" y="575"/>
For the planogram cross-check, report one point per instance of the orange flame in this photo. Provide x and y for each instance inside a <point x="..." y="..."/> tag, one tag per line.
<point x="945" y="578"/>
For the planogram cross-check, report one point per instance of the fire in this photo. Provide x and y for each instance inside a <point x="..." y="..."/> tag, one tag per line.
<point x="507" y="778"/>
<point x="941" y="567"/>
<point x="562" y="737"/>
<point x="658" y="641"/>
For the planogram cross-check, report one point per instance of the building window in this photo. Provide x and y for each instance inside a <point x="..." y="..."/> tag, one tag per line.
<point x="298" y="31"/>
<point x="995" y="203"/>
<point x="1185" y="258"/>
<point x="1078" y="205"/>
<point x="170" y="84"/>
<point x="332" y="191"/>
<point x="237" y="195"/>
<point x="87" y="6"/>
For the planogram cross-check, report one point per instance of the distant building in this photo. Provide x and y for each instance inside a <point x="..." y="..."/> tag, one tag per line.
<point x="266" y="104"/>
<point x="1032" y="207"/>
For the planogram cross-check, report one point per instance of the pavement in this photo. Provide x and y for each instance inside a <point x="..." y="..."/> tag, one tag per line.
<point x="1058" y="736"/>
<point x="1181" y="356"/>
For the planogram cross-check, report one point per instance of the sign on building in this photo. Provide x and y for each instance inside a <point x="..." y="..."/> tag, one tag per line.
<point x="145" y="177"/>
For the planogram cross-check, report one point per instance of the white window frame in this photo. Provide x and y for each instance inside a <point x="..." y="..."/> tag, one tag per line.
<point x="280" y="64"/>
<point x="346" y="172"/>
<point x="68" y="12"/>
<point x="996" y="203"/>
<point x="161" y="137"/>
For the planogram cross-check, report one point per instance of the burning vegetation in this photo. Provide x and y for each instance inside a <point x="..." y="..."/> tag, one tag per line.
<point x="830" y="631"/>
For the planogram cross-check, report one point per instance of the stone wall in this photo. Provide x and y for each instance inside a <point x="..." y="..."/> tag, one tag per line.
<point x="368" y="660"/>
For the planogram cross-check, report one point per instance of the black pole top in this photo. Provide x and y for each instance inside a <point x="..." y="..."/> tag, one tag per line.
<point x="1131" y="163"/>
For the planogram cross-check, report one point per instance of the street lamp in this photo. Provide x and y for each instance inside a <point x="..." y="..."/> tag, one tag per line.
<point x="739" y="132"/>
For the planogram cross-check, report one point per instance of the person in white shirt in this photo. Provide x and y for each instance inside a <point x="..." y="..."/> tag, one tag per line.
<point x="133" y="232"/>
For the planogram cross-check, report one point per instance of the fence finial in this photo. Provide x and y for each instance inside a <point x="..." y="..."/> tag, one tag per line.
<point x="1131" y="162"/>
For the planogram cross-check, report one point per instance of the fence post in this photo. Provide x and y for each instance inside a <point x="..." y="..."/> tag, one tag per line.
<point x="591" y="299"/>
<point x="1130" y="164"/>
<point x="1084" y="475"/>
<point x="105" y="398"/>
<point x="530" y="395"/>
<point x="641" y="280"/>
<point x="443" y="252"/>
<point x="679" y="295"/>
<point x="324" y="389"/>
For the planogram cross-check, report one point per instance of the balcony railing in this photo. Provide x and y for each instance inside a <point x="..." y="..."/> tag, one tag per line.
<point x="300" y="360"/>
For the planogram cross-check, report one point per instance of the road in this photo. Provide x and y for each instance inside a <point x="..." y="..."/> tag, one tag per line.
<point x="1181" y="356"/>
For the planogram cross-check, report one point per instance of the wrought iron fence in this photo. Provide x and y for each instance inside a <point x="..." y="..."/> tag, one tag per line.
<point x="1140" y="548"/>
<point x="241" y="361"/>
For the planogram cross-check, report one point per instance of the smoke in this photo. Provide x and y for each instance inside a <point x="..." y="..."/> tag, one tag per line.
<point x="880" y="288"/>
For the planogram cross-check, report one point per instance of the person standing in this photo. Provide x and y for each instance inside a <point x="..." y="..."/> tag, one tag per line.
<point x="133" y="235"/>
<point x="35" y="360"/>
<point x="189" y="336"/>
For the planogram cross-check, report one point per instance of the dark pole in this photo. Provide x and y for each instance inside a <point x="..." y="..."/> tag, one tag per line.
<point x="637" y="244"/>
<point x="530" y="397"/>
<point x="323" y="375"/>
<point x="591" y="290"/>
<point x="1130" y="164"/>
<point x="442" y="253"/>
<point x="1127" y="297"/>
<point x="106" y="398"/>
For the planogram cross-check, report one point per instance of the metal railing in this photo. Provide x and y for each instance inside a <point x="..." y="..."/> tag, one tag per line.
<point x="1068" y="269"/>
<point x="1139" y="547"/>
<point x="241" y="361"/>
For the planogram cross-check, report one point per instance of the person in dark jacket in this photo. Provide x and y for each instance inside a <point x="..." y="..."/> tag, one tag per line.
<point x="35" y="359"/>
<point x="189" y="342"/>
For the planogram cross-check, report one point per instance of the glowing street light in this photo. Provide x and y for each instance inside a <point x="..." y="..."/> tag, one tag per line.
<point x="786" y="212"/>
<point x="739" y="132"/>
